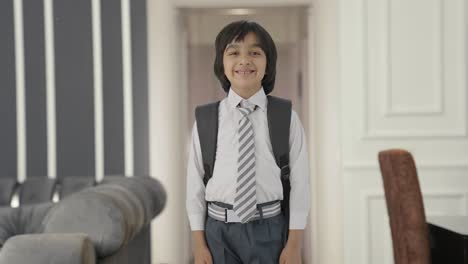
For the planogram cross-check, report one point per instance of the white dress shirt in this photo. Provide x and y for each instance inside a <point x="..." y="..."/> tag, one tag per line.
<point x="222" y="185"/>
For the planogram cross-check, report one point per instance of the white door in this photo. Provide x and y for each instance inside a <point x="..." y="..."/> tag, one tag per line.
<point x="403" y="85"/>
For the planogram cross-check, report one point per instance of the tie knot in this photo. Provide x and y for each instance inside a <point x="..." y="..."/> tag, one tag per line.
<point x="246" y="107"/>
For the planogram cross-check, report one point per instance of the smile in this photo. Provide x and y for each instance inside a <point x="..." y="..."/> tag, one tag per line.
<point x="244" y="72"/>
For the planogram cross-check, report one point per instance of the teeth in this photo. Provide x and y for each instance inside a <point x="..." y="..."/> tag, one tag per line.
<point x="244" y="72"/>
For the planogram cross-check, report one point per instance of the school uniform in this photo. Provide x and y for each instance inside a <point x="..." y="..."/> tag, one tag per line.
<point x="259" y="240"/>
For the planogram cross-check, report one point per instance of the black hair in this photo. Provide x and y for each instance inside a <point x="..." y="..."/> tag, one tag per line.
<point x="236" y="31"/>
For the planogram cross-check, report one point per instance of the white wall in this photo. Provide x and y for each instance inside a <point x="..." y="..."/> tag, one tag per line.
<point x="167" y="127"/>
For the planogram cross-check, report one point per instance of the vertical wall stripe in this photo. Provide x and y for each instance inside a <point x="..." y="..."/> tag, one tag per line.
<point x="98" y="101"/>
<point x="50" y="88"/>
<point x="74" y="88"/>
<point x="140" y="88"/>
<point x="112" y="87"/>
<point x="127" y="86"/>
<point x="20" y="94"/>
<point x="35" y="88"/>
<point x="8" y="135"/>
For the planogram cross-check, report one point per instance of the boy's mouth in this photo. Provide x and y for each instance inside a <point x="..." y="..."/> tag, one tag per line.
<point x="244" y="72"/>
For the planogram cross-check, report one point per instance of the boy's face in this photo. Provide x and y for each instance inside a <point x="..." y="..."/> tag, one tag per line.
<point x="245" y="63"/>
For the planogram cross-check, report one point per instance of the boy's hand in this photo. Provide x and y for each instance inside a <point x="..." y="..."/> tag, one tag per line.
<point x="291" y="253"/>
<point x="200" y="249"/>
<point x="202" y="255"/>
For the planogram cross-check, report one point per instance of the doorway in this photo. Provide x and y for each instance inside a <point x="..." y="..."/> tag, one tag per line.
<point x="288" y="28"/>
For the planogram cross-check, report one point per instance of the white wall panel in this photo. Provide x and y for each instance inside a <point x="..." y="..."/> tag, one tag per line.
<point x="403" y="68"/>
<point x="412" y="87"/>
<point x="376" y="112"/>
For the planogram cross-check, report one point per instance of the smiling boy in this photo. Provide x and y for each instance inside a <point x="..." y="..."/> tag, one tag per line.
<point x="244" y="65"/>
<point x="243" y="197"/>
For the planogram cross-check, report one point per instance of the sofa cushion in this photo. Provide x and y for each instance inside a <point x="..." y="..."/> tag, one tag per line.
<point x="7" y="186"/>
<point x="91" y="213"/>
<point x="36" y="190"/>
<point x="22" y="220"/>
<point x="7" y="224"/>
<point x="73" y="184"/>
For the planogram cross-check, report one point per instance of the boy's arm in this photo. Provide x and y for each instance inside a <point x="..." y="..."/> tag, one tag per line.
<point x="292" y="251"/>
<point x="295" y="238"/>
<point x="299" y="202"/>
<point x="195" y="188"/>
<point x="200" y="248"/>
<point x="196" y="205"/>
<point x="198" y="238"/>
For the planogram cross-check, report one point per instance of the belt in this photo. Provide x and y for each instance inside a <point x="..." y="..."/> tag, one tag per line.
<point x="223" y="212"/>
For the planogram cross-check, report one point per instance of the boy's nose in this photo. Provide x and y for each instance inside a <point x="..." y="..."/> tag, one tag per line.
<point x="244" y="61"/>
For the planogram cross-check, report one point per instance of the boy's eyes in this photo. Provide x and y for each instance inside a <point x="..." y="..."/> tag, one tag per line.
<point x="255" y="53"/>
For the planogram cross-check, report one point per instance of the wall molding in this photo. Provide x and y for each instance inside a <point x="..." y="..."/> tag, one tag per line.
<point x="370" y="133"/>
<point x="438" y="107"/>
<point x="369" y="165"/>
<point x="366" y="198"/>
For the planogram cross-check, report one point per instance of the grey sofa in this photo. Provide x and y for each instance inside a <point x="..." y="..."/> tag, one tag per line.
<point x="106" y="223"/>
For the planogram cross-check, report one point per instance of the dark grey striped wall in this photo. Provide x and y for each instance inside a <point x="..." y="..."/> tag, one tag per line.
<point x="74" y="89"/>
<point x="112" y="87"/>
<point x="35" y="88"/>
<point x="140" y="84"/>
<point x="7" y="92"/>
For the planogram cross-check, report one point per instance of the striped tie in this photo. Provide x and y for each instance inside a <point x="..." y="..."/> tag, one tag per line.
<point x="245" y="202"/>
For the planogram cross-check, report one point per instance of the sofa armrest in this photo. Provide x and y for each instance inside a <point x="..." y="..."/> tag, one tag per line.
<point x="48" y="249"/>
<point x="111" y="214"/>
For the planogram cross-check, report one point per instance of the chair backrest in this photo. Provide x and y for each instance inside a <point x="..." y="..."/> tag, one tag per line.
<point x="405" y="207"/>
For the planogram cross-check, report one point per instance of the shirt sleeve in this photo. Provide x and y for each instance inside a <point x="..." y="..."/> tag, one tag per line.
<point x="299" y="203"/>
<point x="195" y="189"/>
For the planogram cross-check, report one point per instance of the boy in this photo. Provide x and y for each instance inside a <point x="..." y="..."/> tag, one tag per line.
<point x="242" y="222"/>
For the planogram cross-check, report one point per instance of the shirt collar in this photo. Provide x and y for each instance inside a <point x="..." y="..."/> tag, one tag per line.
<point x="259" y="99"/>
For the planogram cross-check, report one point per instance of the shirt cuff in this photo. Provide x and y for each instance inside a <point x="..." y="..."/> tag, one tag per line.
<point x="197" y="221"/>
<point x="297" y="220"/>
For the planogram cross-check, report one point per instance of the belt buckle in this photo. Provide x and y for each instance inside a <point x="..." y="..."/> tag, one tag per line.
<point x="232" y="217"/>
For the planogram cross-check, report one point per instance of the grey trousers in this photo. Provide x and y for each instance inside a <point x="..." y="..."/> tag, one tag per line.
<point x="257" y="242"/>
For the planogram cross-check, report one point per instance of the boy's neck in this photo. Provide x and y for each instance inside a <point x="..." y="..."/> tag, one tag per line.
<point x="246" y="93"/>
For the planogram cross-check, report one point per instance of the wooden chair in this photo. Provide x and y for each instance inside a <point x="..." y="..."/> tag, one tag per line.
<point x="405" y="207"/>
